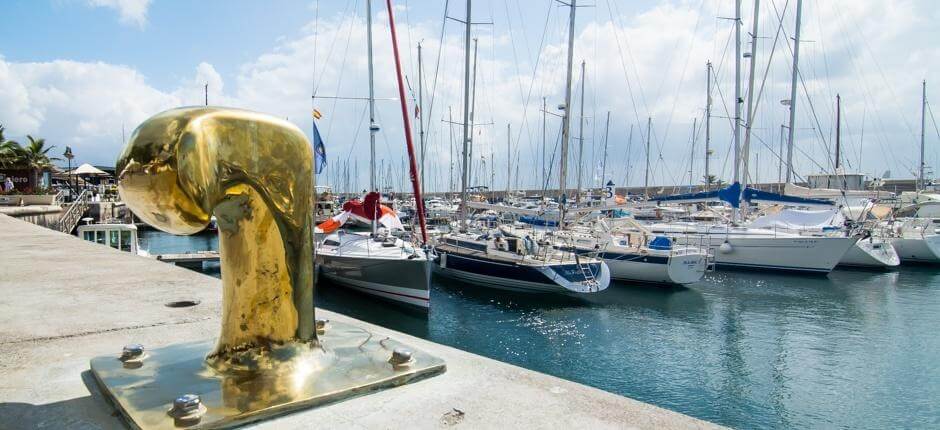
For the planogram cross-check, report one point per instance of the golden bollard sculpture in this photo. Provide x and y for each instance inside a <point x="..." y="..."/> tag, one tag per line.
<point x="254" y="173"/>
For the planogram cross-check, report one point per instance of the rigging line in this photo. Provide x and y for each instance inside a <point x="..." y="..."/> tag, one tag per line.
<point x="437" y="64"/>
<point x="551" y="165"/>
<point x="824" y="51"/>
<point x="411" y="64"/>
<point x="329" y="54"/>
<point x="685" y="67"/>
<point x="623" y="65"/>
<point x="880" y="137"/>
<point x="809" y="102"/>
<point x="930" y="109"/>
<point x="342" y="68"/>
<point x="760" y="92"/>
<point x="316" y="34"/>
<point x="633" y="62"/>
<point x="535" y="68"/>
<point x="359" y="128"/>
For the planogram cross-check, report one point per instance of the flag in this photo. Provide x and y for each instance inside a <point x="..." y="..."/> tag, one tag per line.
<point x="319" y="151"/>
<point x="317" y="114"/>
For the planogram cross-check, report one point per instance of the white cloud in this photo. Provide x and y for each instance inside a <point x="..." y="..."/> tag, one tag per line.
<point x="877" y="69"/>
<point x="131" y="12"/>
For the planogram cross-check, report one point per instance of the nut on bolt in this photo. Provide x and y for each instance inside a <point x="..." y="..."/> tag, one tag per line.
<point x="187" y="409"/>
<point x="401" y="358"/>
<point x="133" y="355"/>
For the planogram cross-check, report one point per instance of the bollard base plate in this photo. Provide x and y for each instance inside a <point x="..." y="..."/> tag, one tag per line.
<point x="348" y="361"/>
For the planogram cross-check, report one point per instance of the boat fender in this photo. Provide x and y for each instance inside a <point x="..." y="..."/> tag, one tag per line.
<point x="725" y="248"/>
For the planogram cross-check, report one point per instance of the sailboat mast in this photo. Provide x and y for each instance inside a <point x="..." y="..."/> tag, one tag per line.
<point x="746" y="152"/>
<point x="923" y="122"/>
<point x="708" y="120"/>
<point x="508" y="158"/>
<point x="543" y="183"/>
<point x="577" y="197"/>
<point x="737" y="99"/>
<point x="692" y="157"/>
<point x="780" y="154"/>
<point x="838" y="129"/>
<point x="604" y="163"/>
<point x="473" y="111"/>
<point x="415" y="184"/>
<point x="794" y="76"/>
<point x="646" y="181"/>
<point x="373" y="127"/>
<point x="466" y="122"/>
<point x="450" y="176"/>
<point x="421" y="111"/>
<point x="566" y="119"/>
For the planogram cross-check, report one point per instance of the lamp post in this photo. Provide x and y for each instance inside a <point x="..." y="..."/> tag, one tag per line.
<point x="69" y="156"/>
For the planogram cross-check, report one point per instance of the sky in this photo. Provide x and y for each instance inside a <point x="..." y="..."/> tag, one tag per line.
<point x="84" y="73"/>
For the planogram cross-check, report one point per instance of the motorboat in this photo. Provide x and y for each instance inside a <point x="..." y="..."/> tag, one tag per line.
<point x="122" y="237"/>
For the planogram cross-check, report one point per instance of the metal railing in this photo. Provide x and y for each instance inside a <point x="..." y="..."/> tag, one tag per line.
<point x="73" y="215"/>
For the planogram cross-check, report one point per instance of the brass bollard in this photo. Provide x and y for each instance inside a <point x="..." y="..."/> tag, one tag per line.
<point x="254" y="172"/>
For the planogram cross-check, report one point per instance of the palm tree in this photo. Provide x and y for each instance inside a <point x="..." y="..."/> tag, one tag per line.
<point x="35" y="156"/>
<point x="9" y="150"/>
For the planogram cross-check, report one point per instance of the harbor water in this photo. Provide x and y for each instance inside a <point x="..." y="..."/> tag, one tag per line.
<point x="855" y="349"/>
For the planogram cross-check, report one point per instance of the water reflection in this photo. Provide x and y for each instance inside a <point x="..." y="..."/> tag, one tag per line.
<point x="854" y="349"/>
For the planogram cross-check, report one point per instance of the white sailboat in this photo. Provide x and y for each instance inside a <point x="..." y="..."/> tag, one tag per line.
<point x="632" y="253"/>
<point x="376" y="263"/>
<point x="516" y="264"/>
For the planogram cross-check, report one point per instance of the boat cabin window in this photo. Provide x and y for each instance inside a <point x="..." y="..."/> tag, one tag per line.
<point x="89" y="236"/>
<point x="466" y="244"/>
<point x="125" y="241"/>
<point x="114" y="238"/>
<point x="330" y="242"/>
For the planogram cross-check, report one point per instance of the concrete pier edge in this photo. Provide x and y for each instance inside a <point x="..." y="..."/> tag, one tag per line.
<point x="64" y="301"/>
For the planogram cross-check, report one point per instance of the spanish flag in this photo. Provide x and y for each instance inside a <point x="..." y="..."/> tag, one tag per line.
<point x="317" y="114"/>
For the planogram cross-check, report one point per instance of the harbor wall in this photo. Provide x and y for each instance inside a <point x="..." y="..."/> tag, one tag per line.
<point x="67" y="301"/>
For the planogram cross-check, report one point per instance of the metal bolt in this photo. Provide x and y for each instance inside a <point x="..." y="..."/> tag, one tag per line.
<point x="187" y="408"/>
<point x="133" y="356"/>
<point x="133" y="350"/>
<point x="401" y="358"/>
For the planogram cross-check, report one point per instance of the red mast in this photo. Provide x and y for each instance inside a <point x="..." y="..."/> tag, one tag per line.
<point x="415" y="185"/>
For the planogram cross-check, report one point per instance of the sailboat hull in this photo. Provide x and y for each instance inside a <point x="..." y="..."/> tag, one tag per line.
<point x="400" y="280"/>
<point x="807" y="254"/>
<point x="871" y="253"/>
<point x="924" y="249"/>
<point x="558" y="279"/>
<point x="680" y="269"/>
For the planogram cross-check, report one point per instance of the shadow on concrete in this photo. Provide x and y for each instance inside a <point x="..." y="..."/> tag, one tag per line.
<point x="88" y="412"/>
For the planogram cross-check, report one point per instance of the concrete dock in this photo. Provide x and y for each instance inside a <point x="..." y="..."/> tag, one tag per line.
<point x="64" y="301"/>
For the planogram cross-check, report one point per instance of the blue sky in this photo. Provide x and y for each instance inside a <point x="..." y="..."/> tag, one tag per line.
<point x="77" y="71"/>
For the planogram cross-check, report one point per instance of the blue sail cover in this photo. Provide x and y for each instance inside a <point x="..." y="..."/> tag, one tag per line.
<point x="732" y="195"/>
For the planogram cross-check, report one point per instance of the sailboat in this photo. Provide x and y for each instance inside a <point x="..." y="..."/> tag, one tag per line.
<point x="377" y="263"/>
<point x="510" y="263"/>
